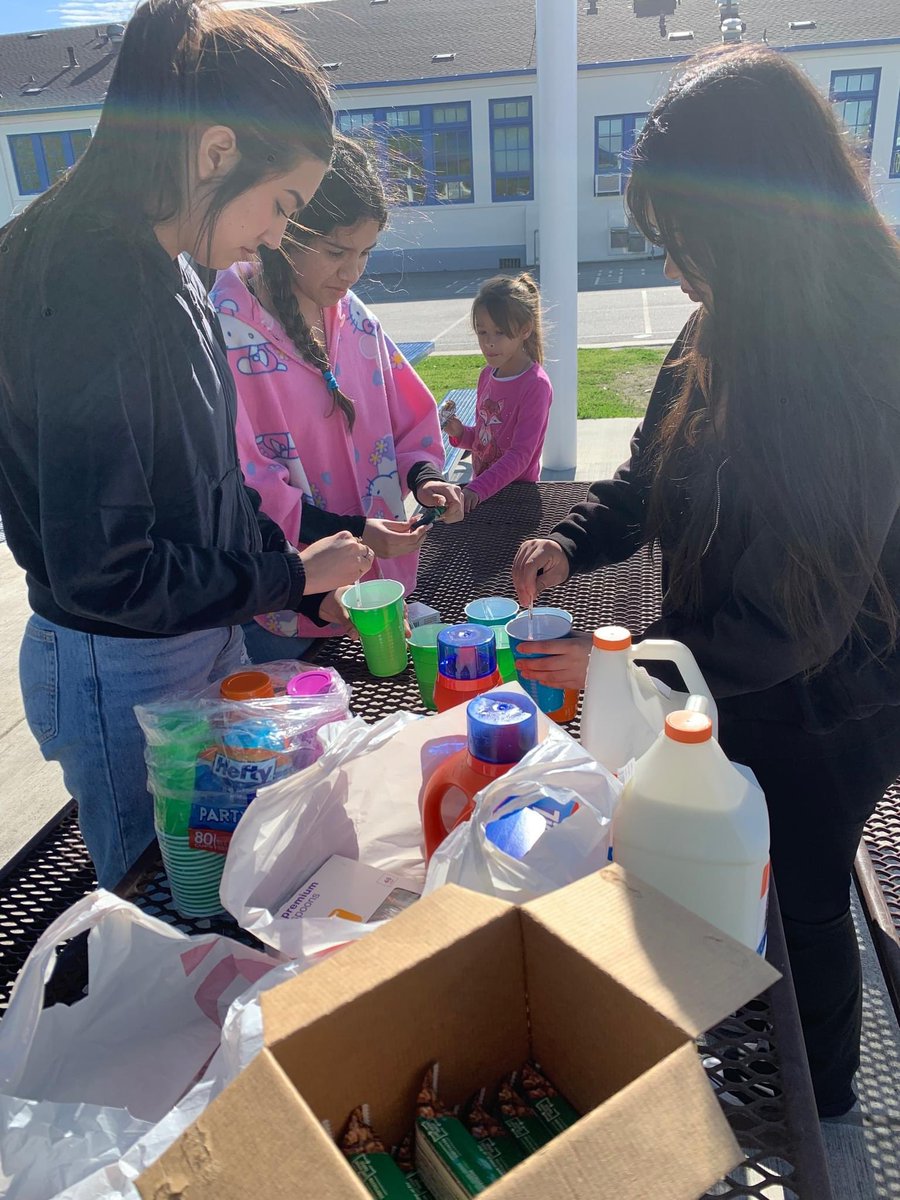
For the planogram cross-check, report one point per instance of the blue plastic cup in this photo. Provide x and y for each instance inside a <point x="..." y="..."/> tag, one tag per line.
<point x="542" y="625"/>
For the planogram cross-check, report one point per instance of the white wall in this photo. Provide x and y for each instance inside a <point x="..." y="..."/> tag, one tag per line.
<point x="477" y="233"/>
<point x="59" y="122"/>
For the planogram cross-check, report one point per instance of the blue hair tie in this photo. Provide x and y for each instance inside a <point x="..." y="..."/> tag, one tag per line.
<point x="330" y="381"/>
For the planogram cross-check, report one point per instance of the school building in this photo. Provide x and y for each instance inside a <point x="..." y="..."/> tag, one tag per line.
<point x="445" y="91"/>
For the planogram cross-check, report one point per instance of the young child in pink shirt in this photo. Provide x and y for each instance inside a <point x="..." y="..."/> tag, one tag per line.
<point x="514" y="393"/>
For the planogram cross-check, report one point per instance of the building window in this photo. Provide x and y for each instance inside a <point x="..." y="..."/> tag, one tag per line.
<point x="425" y="152"/>
<point x="512" y="163"/>
<point x="614" y="137"/>
<point x="895" y="152"/>
<point x="855" y="95"/>
<point x="40" y="157"/>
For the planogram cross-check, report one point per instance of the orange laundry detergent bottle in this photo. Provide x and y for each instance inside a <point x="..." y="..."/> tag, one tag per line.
<point x="467" y="664"/>
<point x="500" y="730"/>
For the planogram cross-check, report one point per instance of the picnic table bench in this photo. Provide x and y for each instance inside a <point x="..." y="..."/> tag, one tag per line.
<point x="463" y="401"/>
<point x="414" y="352"/>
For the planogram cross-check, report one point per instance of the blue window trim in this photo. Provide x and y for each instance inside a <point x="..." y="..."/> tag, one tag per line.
<point x="894" y="171"/>
<point x="628" y="121"/>
<point x="836" y="96"/>
<point x="40" y="157"/>
<point x="380" y="131"/>
<point x="508" y="123"/>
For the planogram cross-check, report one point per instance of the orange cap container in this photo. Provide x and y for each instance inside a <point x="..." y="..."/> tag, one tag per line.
<point x="612" y="637"/>
<point x="685" y="726"/>
<point x="246" y="685"/>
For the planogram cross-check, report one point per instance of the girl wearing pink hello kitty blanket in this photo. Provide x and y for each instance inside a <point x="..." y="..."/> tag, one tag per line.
<point x="334" y="427"/>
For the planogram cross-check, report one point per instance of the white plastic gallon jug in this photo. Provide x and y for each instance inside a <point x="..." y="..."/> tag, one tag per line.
<point x="696" y="827"/>
<point x="624" y="708"/>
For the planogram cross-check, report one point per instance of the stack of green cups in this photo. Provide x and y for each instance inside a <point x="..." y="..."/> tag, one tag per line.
<point x="194" y="875"/>
<point x="376" y="610"/>
<point x="422" y="644"/>
<point x="495" y="611"/>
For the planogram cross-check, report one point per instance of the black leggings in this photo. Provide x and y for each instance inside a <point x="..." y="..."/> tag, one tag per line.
<point x="820" y="790"/>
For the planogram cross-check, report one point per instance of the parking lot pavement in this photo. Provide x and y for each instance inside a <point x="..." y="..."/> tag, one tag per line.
<point x="629" y="302"/>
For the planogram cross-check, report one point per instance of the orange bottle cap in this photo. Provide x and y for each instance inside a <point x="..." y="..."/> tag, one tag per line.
<point x="684" y="726"/>
<point x="246" y="685"/>
<point x="612" y="637"/>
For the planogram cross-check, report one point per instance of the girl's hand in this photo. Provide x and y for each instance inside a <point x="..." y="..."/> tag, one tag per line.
<point x="471" y="500"/>
<point x="539" y="564"/>
<point x="334" y="561"/>
<point x="437" y="493"/>
<point x="332" y="610"/>
<point x="566" y="663"/>
<point x="391" y="539"/>
<point x="453" y="427"/>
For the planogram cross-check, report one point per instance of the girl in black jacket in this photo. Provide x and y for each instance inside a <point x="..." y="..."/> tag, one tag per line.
<point x="120" y="488"/>
<point x="767" y="475"/>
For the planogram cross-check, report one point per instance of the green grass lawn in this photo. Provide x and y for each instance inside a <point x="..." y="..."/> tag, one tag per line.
<point x="611" y="383"/>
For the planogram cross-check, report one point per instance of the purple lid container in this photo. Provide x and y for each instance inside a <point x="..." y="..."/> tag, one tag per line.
<point x="310" y="683"/>
<point x="501" y="727"/>
<point x="467" y="652"/>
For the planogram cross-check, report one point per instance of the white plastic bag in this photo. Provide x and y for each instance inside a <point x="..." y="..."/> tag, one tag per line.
<point x="558" y="767"/>
<point x="360" y="800"/>
<point x="81" y="1084"/>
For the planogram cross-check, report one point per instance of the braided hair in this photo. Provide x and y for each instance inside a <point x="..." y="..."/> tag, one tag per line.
<point x="350" y="192"/>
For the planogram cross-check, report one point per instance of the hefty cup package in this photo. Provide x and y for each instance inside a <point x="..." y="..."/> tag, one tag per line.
<point x="208" y="754"/>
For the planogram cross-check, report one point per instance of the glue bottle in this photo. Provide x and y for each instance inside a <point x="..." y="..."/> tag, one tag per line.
<point x="693" y="825"/>
<point x="467" y="664"/>
<point x="500" y="730"/>
<point x="624" y="707"/>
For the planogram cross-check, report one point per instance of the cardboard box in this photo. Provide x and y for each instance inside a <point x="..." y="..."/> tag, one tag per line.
<point x="605" y="983"/>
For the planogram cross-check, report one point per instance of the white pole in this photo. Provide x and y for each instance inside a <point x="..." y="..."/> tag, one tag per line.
<point x="557" y="192"/>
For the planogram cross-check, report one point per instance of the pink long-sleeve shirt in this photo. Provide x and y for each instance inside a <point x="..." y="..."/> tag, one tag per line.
<point x="295" y="450"/>
<point x="510" y="425"/>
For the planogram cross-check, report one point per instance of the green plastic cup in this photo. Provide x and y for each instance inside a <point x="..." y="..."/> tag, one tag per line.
<point x="376" y="610"/>
<point x="506" y="660"/>
<point x="194" y="876"/>
<point x="178" y="741"/>
<point x="422" y="644"/>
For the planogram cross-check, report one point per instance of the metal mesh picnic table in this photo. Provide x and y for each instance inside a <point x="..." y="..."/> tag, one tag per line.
<point x="755" y="1059"/>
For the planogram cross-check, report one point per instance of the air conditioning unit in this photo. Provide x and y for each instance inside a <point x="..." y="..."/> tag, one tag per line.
<point x="631" y="241"/>
<point x="608" y="185"/>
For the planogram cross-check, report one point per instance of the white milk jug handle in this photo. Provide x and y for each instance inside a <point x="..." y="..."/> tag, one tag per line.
<point x="667" y="650"/>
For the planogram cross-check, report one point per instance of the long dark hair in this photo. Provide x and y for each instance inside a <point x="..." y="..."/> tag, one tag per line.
<point x="743" y="175"/>
<point x="183" y="65"/>
<point x="512" y="303"/>
<point x="350" y="192"/>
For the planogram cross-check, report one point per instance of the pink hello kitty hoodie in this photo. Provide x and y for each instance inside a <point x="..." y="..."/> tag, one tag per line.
<point x="294" y="449"/>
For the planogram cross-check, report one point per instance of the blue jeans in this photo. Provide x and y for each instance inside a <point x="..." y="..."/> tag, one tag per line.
<point x="264" y="646"/>
<point x="80" y="690"/>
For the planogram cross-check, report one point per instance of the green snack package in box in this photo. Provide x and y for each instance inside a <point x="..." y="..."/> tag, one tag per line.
<point x="450" y="1160"/>
<point x="529" y="1129"/>
<point x="492" y="1135"/>
<point x="369" y="1158"/>
<point x="553" y="1109"/>
<point x="405" y="1160"/>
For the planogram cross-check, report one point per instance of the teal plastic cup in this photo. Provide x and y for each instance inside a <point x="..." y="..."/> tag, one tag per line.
<point x="376" y="610"/>
<point x="491" y="610"/>
<point x="542" y="625"/>
<point x="423" y="649"/>
<point x="496" y="611"/>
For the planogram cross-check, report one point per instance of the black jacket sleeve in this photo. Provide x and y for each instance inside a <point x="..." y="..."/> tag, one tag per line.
<point x="316" y="523"/>
<point x="420" y="473"/>
<point x="609" y="525"/>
